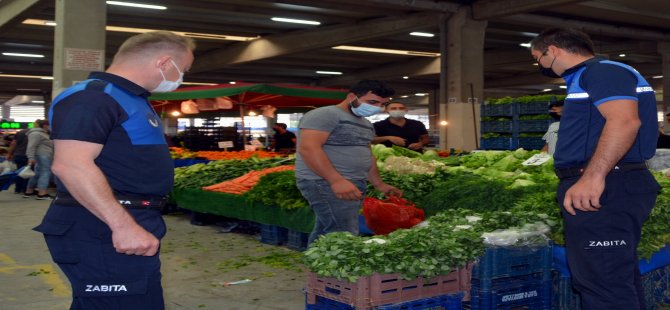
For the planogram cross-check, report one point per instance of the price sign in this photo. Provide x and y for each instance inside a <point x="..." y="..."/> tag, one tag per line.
<point x="225" y="144"/>
<point x="536" y="160"/>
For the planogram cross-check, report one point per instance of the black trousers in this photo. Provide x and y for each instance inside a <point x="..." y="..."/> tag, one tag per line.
<point x="601" y="246"/>
<point x="20" y="184"/>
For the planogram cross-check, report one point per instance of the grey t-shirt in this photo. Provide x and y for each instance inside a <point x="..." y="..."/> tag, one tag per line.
<point x="347" y="146"/>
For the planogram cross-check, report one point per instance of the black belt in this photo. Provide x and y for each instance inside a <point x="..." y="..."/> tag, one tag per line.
<point x="153" y="203"/>
<point x="574" y="172"/>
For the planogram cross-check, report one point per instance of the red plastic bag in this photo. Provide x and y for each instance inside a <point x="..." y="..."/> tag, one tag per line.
<point x="386" y="216"/>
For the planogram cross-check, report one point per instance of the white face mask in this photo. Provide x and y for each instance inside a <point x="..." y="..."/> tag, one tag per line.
<point x="397" y="113"/>
<point x="166" y="86"/>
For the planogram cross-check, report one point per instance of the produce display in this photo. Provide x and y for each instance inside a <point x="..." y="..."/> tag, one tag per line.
<point x="525" y="99"/>
<point x="278" y="189"/>
<point x="199" y="175"/>
<point x="244" y="183"/>
<point x="182" y="153"/>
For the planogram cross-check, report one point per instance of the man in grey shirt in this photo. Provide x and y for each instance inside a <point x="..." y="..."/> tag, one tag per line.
<point x="334" y="160"/>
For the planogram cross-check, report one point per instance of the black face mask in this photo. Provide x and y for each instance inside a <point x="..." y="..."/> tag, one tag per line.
<point x="548" y="71"/>
<point x="555" y="115"/>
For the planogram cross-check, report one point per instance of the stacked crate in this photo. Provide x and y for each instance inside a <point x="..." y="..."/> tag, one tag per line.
<point x="510" y="278"/>
<point x="389" y="291"/>
<point x="512" y="127"/>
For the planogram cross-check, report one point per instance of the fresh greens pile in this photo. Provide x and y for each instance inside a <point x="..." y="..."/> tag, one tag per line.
<point x="414" y="186"/>
<point x="278" y="189"/>
<point x="199" y="175"/>
<point x="450" y="240"/>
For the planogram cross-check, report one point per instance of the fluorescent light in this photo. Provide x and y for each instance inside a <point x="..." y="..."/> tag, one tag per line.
<point x="535" y="64"/>
<point x="563" y="87"/>
<point x="422" y="34"/>
<point x="329" y="72"/>
<point x="622" y="55"/>
<point x="384" y="51"/>
<point x="232" y="82"/>
<point x="444" y="123"/>
<point x="657" y="77"/>
<point x="404" y="96"/>
<point x="37" y="101"/>
<point x="420" y="94"/>
<point x="24" y="55"/>
<point x="211" y="36"/>
<point x="138" y="5"/>
<point x="547" y="89"/>
<point x="405" y="77"/>
<point x="25" y="76"/>
<point x="47" y="78"/>
<point x="175" y="113"/>
<point x="295" y="21"/>
<point x="198" y="83"/>
<point x="525" y="44"/>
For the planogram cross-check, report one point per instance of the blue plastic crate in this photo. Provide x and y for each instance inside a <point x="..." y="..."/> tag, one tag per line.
<point x="511" y="262"/>
<point x="274" y="235"/>
<point x="444" y="302"/>
<point x="565" y="297"/>
<point x="541" y="107"/>
<point x="531" y="143"/>
<point x="497" y="126"/>
<point x="362" y="227"/>
<point x="497" y="110"/>
<point x="497" y="144"/>
<point x="297" y="240"/>
<point x="513" y="294"/>
<point x="534" y="125"/>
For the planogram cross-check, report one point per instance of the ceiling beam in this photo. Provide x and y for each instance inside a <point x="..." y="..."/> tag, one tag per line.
<point x="416" y="67"/>
<point x="427" y="5"/>
<point x="300" y="41"/>
<point x="487" y="9"/>
<point x="15" y="11"/>
<point x="589" y="27"/>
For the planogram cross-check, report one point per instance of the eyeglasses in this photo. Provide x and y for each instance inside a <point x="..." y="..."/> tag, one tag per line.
<point x="543" y="54"/>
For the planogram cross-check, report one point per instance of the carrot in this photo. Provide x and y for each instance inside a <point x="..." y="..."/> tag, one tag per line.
<point x="244" y="183"/>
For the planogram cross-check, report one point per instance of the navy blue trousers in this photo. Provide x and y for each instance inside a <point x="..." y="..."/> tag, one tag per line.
<point x="601" y="246"/>
<point x="101" y="278"/>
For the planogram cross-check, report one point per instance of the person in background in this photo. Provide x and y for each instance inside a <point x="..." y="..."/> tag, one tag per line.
<point x="550" y="138"/>
<point x="17" y="154"/>
<point x="283" y="139"/>
<point x="334" y="160"/>
<point x="401" y="131"/>
<point x="608" y="131"/>
<point x="113" y="171"/>
<point x="40" y="153"/>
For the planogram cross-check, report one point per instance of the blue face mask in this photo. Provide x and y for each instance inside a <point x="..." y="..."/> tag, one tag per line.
<point x="364" y="109"/>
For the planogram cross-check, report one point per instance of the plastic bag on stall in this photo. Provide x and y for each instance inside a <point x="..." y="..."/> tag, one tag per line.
<point x="529" y="235"/>
<point x="386" y="216"/>
<point x="206" y="104"/>
<point x="7" y="167"/>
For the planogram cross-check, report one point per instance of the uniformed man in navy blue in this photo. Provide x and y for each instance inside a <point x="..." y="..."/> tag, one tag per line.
<point x="608" y="130"/>
<point x="114" y="170"/>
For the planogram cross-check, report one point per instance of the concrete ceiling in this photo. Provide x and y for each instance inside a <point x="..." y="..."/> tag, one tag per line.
<point x="617" y="27"/>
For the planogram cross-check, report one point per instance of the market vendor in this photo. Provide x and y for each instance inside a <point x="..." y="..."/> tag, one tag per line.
<point x="399" y="130"/>
<point x="284" y="140"/>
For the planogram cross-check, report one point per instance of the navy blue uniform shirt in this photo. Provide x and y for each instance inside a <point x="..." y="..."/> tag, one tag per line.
<point x="411" y="132"/>
<point x="590" y="84"/>
<point x="110" y="110"/>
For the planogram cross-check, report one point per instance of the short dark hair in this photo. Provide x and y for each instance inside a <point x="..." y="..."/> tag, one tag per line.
<point x="378" y="88"/>
<point x="569" y="39"/>
<point x="282" y="125"/>
<point x="558" y="103"/>
<point x="41" y="123"/>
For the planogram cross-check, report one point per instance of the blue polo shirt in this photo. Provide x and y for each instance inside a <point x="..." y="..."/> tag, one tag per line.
<point x="591" y="84"/>
<point x="114" y="112"/>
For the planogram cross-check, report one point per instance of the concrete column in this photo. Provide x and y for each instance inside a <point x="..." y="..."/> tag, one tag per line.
<point x="664" y="50"/>
<point x="5" y="112"/>
<point x="441" y="94"/>
<point x="464" y="79"/>
<point x="79" y="42"/>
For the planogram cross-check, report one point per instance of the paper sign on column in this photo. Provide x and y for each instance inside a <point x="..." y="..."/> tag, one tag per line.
<point x="537" y="159"/>
<point x="84" y="59"/>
